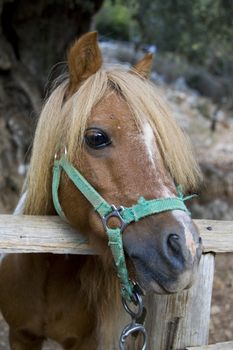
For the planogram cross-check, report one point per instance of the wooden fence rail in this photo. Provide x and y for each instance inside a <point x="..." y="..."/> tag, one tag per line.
<point x="48" y="234"/>
<point x="175" y="322"/>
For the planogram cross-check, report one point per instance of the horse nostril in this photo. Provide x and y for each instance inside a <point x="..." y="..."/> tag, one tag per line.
<point x="173" y="242"/>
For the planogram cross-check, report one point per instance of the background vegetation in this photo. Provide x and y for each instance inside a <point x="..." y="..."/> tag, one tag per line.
<point x="200" y="30"/>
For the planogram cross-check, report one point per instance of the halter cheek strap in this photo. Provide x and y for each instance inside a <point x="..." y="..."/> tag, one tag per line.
<point x="106" y="211"/>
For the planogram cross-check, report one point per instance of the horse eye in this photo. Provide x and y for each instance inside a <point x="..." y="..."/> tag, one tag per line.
<point x="96" y="138"/>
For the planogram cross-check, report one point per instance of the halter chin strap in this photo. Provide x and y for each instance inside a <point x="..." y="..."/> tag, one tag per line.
<point x="106" y="211"/>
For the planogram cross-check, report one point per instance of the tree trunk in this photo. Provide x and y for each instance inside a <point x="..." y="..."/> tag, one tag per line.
<point x="34" y="37"/>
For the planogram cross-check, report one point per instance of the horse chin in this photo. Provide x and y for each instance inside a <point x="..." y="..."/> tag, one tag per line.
<point x="159" y="287"/>
<point x="155" y="287"/>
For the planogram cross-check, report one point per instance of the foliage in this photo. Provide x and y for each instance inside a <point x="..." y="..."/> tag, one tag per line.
<point x="114" y="21"/>
<point x="201" y="30"/>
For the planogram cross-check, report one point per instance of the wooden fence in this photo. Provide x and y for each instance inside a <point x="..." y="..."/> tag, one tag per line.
<point x="175" y="322"/>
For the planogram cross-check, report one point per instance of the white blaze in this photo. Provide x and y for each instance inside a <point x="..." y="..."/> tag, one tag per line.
<point x="151" y="147"/>
<point x="149" y="139"/>
<point x="184" y="220"/>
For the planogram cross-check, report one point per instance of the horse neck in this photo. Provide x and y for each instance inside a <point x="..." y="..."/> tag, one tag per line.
<point x="103" y="290"/>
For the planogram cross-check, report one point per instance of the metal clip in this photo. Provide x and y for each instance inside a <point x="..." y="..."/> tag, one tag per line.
<point x="130" y="329"/>
<point x="134" y="326"/>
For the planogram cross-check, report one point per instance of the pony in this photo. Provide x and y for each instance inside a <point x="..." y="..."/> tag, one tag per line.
<point x="119" y="133"/>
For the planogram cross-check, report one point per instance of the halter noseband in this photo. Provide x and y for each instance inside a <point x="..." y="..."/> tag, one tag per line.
<point x="106" y="211"/>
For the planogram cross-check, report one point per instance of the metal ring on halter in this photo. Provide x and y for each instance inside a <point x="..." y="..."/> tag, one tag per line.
<point x="138" y="302"/>
<point x="56" y="155"/>
<point x="115" y="213"/>
<point x="129" y="330"/>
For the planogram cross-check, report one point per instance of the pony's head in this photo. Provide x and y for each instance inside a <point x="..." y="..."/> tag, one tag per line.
<point x="120" y="135"/>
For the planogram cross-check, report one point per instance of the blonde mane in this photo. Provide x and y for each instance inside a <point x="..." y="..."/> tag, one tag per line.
<point x="63" y="124"/>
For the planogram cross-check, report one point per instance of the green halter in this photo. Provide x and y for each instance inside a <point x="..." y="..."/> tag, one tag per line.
<point x="106" y="211"/>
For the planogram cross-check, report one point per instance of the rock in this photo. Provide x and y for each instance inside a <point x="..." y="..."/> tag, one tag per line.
<point x="214" y="150"/>
<point x="180" y="84"/>
<point x="215" y="309"/>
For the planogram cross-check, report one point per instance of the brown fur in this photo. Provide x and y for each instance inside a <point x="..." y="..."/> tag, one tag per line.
<point x="84" y="59"/>
<point x="75" y="299"/>
<point x="144" y="66"/>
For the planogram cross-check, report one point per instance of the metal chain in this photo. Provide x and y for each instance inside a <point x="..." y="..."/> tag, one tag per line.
<point x="135" y="326"/>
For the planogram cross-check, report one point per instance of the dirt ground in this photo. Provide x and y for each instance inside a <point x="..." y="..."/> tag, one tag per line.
<point x="221" y="326"/>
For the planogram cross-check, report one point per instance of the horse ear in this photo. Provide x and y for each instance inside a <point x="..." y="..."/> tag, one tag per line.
<point x="143" y="67"/>
<point x="84" y="59"/>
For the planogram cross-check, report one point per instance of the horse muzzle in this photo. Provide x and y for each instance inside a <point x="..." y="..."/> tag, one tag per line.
<point x="165" y="251"/>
